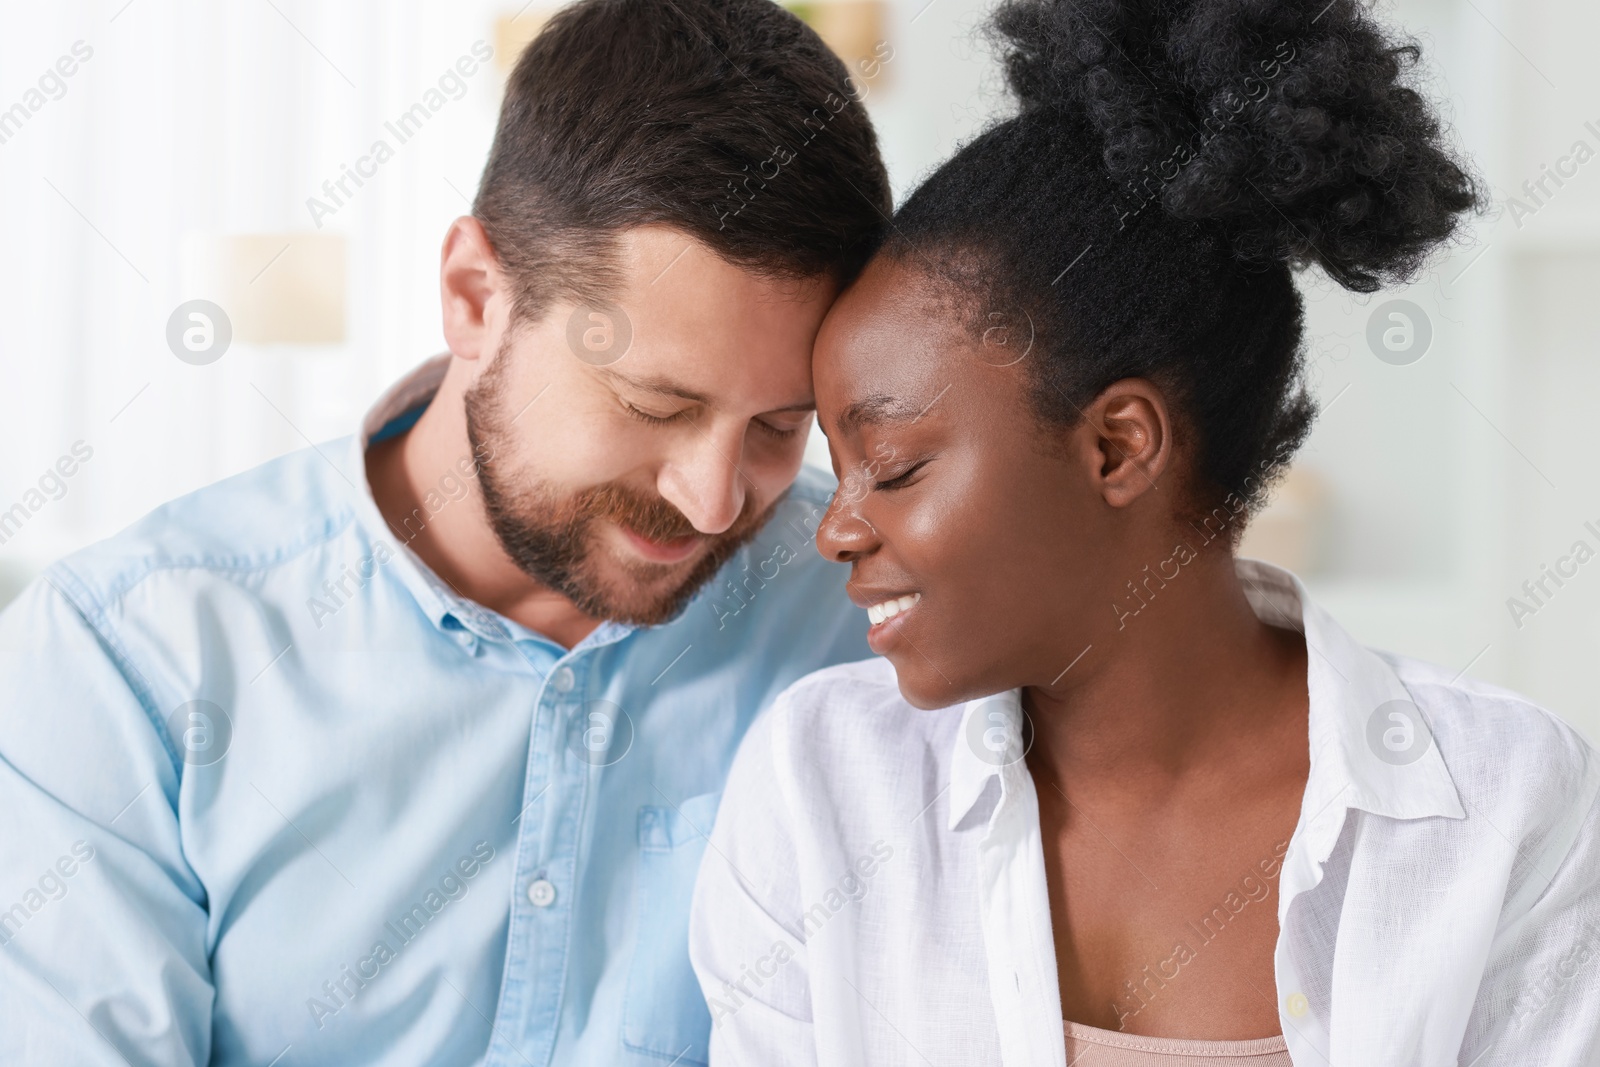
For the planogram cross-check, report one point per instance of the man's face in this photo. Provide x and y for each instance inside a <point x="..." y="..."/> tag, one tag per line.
<point x="626" y="451"/>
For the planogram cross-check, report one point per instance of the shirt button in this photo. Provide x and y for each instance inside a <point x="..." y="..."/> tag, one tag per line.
<point x="541" y="893"/>
<point x="563" y="680"/>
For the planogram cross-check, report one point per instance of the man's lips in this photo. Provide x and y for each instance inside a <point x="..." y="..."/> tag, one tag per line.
<point x="674" y="550"/>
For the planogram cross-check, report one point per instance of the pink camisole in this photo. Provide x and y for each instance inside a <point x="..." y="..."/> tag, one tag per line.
<point x="1089" y="1046"/>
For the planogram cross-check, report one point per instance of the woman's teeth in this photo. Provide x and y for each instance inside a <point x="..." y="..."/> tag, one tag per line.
<point x="890" y="608"/>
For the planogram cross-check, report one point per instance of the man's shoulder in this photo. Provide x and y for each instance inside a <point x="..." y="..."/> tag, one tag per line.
<point x="247" y="522"/>
<point x="813" y="486"/>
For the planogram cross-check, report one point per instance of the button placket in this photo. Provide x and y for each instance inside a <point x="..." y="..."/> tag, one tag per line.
<point x="536" y="946"/>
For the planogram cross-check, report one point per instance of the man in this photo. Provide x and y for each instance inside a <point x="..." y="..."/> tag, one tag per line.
<point x="403" y="749"/>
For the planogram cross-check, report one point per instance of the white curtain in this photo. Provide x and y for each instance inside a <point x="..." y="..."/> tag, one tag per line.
<point x="180" y="123"/>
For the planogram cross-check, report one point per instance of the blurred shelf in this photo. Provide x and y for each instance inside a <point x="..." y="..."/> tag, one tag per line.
<point x="1549" y="231"/>
<point x="1430" y="620"/>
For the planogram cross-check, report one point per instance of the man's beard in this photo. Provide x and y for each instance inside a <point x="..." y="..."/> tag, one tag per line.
<point x="556" y="540"/>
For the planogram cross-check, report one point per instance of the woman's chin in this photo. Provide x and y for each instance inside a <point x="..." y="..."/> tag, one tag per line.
<point x="921" y="686"/>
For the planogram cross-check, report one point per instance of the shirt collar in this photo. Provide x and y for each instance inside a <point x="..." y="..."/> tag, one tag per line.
<point x="989" y="745"/>
<point x="1362" y="755"/>
<point x="448" y="611"/>
<point x="1366" y="730"/>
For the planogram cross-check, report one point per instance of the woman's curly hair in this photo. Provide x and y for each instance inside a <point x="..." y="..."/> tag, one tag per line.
<point x="1171" y="162"/>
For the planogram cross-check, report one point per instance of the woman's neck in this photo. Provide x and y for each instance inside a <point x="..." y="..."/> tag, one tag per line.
<point x="1196" y="684"/>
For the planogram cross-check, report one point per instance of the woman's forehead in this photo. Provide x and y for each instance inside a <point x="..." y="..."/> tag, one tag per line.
<point x="885" y="332"/>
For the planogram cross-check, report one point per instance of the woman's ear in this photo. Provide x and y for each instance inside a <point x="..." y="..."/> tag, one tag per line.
<point x="471" y="290"/>
<point x="1127" y="439"/>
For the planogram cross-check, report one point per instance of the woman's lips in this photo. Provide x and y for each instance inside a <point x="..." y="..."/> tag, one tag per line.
<point x="675" y="550"/>
<point x="887" y="617"/>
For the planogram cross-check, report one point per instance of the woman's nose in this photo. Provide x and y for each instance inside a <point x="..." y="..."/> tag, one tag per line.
<point x="844" y="533"/>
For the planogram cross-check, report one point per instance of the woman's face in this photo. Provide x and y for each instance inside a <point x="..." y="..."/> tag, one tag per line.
<point x="991" y="536"/>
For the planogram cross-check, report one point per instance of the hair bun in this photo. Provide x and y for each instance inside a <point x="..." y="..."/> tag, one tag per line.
<point x="1290" y="125"/>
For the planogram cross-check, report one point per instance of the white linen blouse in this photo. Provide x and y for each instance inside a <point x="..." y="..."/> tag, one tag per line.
<point x="875" y="892"/>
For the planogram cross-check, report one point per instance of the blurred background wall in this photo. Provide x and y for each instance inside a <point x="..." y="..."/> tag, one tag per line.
<point x="157" y="152"/>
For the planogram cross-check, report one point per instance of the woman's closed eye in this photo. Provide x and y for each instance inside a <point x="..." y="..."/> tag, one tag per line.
<point x="901" y="480"/>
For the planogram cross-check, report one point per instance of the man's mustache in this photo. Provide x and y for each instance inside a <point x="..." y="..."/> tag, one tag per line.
<point x="650" y="516"/>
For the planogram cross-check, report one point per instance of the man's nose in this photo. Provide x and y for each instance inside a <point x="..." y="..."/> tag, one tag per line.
<point x="705" y="482"/>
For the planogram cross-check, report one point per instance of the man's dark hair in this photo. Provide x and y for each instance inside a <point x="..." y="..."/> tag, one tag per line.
<point x="727" y="119"/>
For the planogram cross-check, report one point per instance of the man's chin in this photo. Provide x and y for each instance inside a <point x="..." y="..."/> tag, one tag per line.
<point x="628" y="588"/>
<point x="624" y="599"/>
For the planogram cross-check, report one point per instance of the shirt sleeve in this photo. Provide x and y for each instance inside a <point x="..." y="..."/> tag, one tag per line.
<point x="743" y="941"/>
<point x="103" y="925"/>
<point x="1539" y="1001"/>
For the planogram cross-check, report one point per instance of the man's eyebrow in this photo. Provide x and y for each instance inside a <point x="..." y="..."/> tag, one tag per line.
<point x="660" y="385"/>
<point x="664" y="386"/>
<point x="874" y="409"/>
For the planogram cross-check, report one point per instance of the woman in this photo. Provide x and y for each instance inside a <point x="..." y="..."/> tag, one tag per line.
<point x="1112" y="796"/>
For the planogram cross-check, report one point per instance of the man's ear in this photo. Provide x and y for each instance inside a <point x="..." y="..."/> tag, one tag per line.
<point x="472" y="290"/>
<point x="1126" y="440"/>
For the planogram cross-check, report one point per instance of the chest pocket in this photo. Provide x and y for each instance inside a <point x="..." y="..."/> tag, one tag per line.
<point x="664" y="1013"/>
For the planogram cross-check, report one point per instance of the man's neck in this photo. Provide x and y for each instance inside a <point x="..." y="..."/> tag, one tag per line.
<point x="412" y="477"/>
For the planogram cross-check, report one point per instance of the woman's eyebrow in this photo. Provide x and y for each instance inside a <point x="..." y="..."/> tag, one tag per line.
<point x="874" y="409"/>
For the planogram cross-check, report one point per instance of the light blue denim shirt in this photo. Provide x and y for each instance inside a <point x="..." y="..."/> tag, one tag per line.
<point x="271" y="793"/>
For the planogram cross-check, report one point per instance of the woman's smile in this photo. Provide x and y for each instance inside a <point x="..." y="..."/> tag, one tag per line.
<point x="886" y="612"/>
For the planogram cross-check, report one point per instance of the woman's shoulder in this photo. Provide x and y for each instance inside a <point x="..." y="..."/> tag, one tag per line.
<point x="1471" y="717"/>
<point x="843" y="738"/>
<point x="863" y="683"/>
<point x="1512" y="760"/>
<point x="855" y="706"/>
